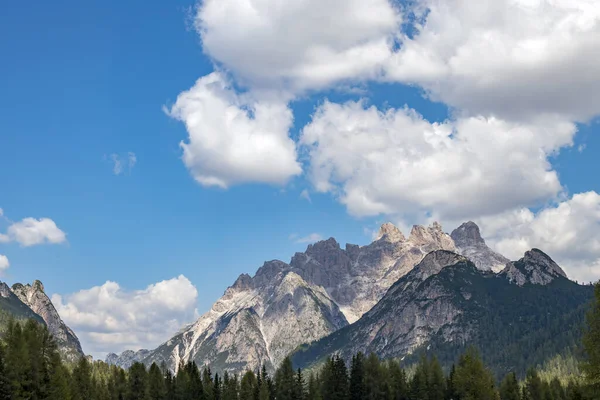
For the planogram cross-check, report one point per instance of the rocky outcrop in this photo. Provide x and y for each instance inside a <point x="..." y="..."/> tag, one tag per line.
<point x="127" y="358"/>
<point x="357" y="278"/>
<point x="258" y="321"/>
<point x="536" y="268"/>
<point x="470" y="244"/>
<point x="37" y="300"/>
<point x="12" y="306"/>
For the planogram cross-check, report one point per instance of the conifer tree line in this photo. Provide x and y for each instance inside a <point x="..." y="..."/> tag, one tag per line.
<point x="31" y="369"/>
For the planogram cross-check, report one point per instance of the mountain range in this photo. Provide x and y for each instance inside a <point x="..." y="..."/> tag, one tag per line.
<point x="395" y="296"/>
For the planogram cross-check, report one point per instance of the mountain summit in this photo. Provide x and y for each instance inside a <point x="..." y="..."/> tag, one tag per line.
<point x="536" y="267"/>
<point x="470" y="244"/>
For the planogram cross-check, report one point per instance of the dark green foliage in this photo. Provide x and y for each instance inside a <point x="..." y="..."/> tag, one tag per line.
<point x="357" y="377"/>
<point x="284" y="381"/>
<point x="591" y="342"/>
<point x="472" y="380"/>
<point x="156" y="383"/>
<point x="31" y="369"/>
<point x="138" y="382"/>
<point x="509" y="388"/>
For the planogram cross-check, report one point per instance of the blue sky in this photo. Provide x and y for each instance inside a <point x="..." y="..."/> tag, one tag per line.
<point x="85" y="82"/>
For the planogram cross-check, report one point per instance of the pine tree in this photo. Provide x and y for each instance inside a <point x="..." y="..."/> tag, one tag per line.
<point x="534" y="387"/>
<point x="398" y="383"/>
<point x="284" y="380"/>
<point x="314" y="389"/>
<point x="472" y="380"/>
<point x="248" y="386"/>
<point x="436" y="381"/>
<point x="81" y="388"/>
<point x="591" y="342"/>
<point x="217" y="388"/>
<point x="5" y="389"/>
<point x="156" y="383"/>
<point x="357" y="377"/>
<point x="299" y="386"/>
<point x="138" y="382"/>
<point x="419" y="385"/>
<point x="208" y="384"/>
<point x="334" y="384"/>
<point x="509" y="388"/>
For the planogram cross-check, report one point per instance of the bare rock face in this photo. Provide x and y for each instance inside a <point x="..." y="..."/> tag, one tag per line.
<point x="261" y="319"/>
<point x="37" y="300"/>
<point x="536" y="267"/>
<point x="258" y="321"/>
<point x="127" y="358"/>
<point x="470" y="244"/>
<point x="358" y="277"/>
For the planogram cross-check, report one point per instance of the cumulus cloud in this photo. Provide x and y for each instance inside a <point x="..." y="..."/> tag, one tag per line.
<point x="108" y="318"/>
<point x="4" y="264"/>
<point x="510" y="58"/>
<point x="31" y="232"/>
<point x="234" y="138"/>
<point x="569" y="231"/>
<point x="394" y="161"/>
<point x="296" y="45"/>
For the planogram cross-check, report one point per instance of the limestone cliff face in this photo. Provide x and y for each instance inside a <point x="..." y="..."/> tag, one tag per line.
<point x="127" y="358"/>
<point x="536" y="267"/>
<point x="470" y="244"/>
<point x="258" y="321"/>
<point x="37" y="300"/>
<point x="261" y="319"/>
<point x="357" y="278"/>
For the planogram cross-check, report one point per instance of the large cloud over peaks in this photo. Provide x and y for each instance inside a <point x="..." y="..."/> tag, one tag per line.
<point x="569" y="231"/>
<point x="512" y="58"/>
<point x="396" y="162"/>
<point x="293" y="45"/>
<point x="234" y="138"/>
<point x="108" y="318"/>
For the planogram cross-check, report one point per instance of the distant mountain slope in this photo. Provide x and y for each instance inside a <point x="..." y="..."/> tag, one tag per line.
<point x="34" y="298"/>
<point x="445" y="303"/>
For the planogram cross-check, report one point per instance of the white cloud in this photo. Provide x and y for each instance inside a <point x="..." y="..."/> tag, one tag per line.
<point x="396" y="162"/>
<point x="124" y="163"/>
<point x="1" y="212"/>
<point x="311" y="238"/>
<point x="31" y="232"/>
<point x="4" y="264"/>
<point x="109" y="318"/>
<point x="233" y="138"/>
<point x="305" y="195"/>
<point x="297" y="44"/>
<point x="509" y="58"/>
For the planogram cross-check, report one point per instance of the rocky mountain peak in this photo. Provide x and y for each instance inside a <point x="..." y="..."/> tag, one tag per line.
<point x="433" y="263"/>
<point x="36" y="299"/>
<point x="390" y="233"/>
<point x="38" y="285"/>
<point x="4" y="290"/>
<point x="323" y="246"/>
<point x="467" y="234"/>
<point x="541" y="260"/>
<point x="536" y="267"/>
<point x="471" y="244"/>
<point x="243" y="282"/>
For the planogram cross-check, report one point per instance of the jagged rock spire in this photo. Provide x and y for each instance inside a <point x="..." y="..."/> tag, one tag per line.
<point x="390" y="233"/>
